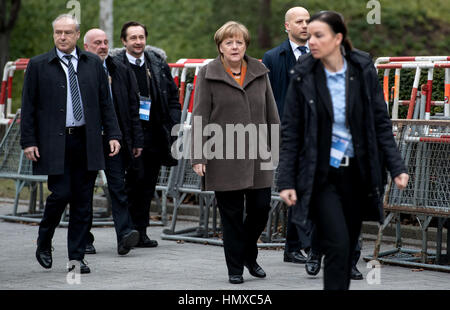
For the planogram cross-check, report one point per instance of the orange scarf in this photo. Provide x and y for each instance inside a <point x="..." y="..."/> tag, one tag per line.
<point x="238" y="78"/>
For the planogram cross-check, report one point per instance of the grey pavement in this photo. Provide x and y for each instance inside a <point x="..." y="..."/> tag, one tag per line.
<point x="173" y="266"/>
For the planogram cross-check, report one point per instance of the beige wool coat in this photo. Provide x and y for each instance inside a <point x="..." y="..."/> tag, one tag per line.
<point x="220" y="101"/>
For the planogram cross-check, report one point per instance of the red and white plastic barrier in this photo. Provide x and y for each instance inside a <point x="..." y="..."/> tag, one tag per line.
<point x="6" y="88"/>
<point x="187" y="64"/>
<point x="419" y="64"/>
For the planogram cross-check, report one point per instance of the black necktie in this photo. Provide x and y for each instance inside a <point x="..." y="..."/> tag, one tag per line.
<point x="74" y="92"/>
<point x="302" y="50"/>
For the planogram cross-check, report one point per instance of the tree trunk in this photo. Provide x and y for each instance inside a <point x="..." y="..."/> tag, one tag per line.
<point x="264" y="37"/>
<point x="4" y="51"/>
<point x="107" y="20"/>
<point x="8" y="19"/>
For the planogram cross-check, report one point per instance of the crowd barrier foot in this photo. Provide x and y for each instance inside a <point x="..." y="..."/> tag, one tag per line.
<point x="412" y="259"/>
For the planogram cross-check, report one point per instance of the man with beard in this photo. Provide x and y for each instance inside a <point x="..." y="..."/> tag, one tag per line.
<point x="280" y="60"/>
<point x="123" y="90"/>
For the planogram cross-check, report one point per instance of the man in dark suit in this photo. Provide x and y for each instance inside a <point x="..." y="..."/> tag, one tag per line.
<point x="280" y="60"/>
<point x="126" y="103"/>
<point x="65" y="106"/>
<point x="159" y="112"/>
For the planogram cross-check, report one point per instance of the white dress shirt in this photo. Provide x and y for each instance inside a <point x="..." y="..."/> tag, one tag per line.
<point x="70" y="119"/>
<point x="296" y="51"/>
<point x="132" y="59"/>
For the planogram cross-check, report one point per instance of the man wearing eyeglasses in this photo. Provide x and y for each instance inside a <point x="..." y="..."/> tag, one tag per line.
<point x="65" y="106"/>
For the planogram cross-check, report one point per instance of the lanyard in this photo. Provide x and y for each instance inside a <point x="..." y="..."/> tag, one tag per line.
<point x="148" y="77"/>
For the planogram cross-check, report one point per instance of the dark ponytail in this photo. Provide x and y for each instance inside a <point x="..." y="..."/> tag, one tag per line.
<point x="336" y="22"/>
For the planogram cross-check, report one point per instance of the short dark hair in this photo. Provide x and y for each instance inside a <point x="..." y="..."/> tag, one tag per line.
<point x="336" y="22"/>
<point x="123" y="32"/>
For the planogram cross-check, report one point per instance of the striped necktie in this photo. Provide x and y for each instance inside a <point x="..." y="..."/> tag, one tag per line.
<point x="74" y="91"/>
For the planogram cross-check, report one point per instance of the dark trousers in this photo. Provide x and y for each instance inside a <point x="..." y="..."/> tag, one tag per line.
<point x="75" y="187"/>
<point x="315" y="247"/>
<point x="240" y="235"/>
<point x="297" y="237"/>
<point x="140" y="183"/>
<point x="338" y="205"/>
<point x="115" y="176"/>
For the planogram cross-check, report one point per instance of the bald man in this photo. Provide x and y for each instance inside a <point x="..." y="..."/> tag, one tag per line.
<point x="280" y="60"/>
<point x="124" y="95"/>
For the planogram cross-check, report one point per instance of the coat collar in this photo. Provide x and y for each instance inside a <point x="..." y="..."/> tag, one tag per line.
<point x="322" y="88"/>
<point x="53" y="55"/>
<point x="286" y="47"/>
<point x="216" y="71"/>
<point x="110" y="64"/>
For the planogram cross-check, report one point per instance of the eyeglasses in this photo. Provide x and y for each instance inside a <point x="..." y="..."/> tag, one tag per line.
<point x="59" y="33"/>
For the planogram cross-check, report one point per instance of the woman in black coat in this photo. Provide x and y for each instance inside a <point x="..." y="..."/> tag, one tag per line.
<point x="337" y="142"/>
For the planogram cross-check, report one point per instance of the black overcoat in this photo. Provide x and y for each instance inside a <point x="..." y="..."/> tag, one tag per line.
<point x="280" y="60"/>
<point x="126" y="103"/>
<point x="166" y="92"/>
<point x="43" y="113"/>
<point x="306" y="133"/>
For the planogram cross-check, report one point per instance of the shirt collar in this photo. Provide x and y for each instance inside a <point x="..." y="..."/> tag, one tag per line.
<point x="295" y="45"/>
<point x="132" y="59"/>
<point x="337" y="73"/>
<point x="61" y="54"/>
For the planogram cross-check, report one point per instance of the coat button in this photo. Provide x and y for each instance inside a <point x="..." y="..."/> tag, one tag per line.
<point x="60" y="133"/>
<point x="351" y="78"/>
<point x="62" y="110"/>
<point x="292" y="71"/>
<point x="311" y="101"/>
<point x="299" y="79"/>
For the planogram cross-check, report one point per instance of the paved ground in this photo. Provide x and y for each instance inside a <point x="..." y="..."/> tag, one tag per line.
<point x="172" y="266"/>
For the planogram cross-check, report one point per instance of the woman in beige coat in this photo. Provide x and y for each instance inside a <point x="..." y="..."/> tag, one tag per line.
<point x="234" y="126"/>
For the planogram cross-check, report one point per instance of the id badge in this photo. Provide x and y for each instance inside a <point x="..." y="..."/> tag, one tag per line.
<point x="339" y="143"/>
<point x="144" y="108"/>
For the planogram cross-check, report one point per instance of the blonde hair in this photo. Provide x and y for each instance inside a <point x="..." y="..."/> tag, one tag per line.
<point x="229" y="30"/>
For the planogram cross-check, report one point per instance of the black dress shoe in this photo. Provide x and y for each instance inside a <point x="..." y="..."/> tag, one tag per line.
<point x="128" y="241"/>
<point x="146" y="242"/>
<point x="90" y="249"/>
<point x="44" y="257"/>
<point x="256" y="270"/>
<point x="294" y="257"/>
<point x="83" y="267"/>
<point x="313" y="263"/>
<point x="236" y="279"/>
<point x="356" y="275"/>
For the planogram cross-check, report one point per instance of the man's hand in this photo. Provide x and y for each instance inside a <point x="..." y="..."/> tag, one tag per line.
<point x="401" y="180"/>
<point x="289" y="197"/>
<point x="115" y="147"/>
<point x="137" y="152"/>
<point x="32" y="153"/>
<point x="200" y="169"/>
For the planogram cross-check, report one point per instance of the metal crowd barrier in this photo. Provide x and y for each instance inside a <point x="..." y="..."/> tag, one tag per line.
<point x="425" y="148"/>
<point x="15" y="166"/>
